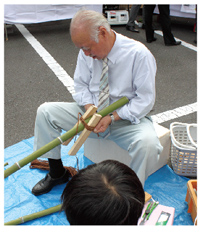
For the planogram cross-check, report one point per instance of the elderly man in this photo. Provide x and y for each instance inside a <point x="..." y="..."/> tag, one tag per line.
<point x="130" y="69"/>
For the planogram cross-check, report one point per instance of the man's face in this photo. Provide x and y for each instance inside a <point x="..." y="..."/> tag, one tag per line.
<point x="82" y="40"/>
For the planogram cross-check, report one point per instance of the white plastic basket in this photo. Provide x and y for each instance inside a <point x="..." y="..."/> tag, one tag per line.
<point x="184" y="148"/>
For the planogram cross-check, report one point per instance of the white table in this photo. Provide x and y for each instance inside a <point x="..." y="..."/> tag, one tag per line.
<point x="30" y="13"/>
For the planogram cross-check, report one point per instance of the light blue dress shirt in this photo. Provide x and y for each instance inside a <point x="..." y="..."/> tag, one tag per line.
<point x="132" y="70"/>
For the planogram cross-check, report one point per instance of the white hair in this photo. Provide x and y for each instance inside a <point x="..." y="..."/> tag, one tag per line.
<point x="90" y="19"/>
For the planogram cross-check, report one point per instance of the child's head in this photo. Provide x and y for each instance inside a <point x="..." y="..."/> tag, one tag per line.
<point x="107" y="193"/>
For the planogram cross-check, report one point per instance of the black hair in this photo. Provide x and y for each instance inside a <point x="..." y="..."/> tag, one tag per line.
<point x="107" y="193"/>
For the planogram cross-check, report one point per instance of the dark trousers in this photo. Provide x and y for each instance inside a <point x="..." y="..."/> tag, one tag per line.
<point x="165" y="22"/>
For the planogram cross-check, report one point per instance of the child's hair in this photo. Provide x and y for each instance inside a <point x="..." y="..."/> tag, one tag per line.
<point x="107" y="193"/>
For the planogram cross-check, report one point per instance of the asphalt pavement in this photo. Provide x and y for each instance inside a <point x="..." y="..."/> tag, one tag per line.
<point x="29" y="82"/>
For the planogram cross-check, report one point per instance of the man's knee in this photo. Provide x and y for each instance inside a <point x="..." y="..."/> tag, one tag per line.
<point x="145" y="141"/>
<point x="149" y="140"/>
<point x="43" y="109"/>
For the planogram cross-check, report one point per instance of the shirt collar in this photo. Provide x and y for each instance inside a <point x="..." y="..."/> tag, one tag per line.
<point x="112" y="56"/>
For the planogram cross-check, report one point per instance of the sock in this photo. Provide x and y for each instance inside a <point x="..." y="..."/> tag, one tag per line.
<point x="56" y="168"/>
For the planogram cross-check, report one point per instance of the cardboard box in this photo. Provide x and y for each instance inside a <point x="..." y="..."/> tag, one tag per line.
<point x="191" y="198"/>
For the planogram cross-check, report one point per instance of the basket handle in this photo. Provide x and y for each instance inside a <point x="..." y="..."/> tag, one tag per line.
<point x="178" y="123"/>
<point x="175" y="142"/>
<point x="189" y="135"/>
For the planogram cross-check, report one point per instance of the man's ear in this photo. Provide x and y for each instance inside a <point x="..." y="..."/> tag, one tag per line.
<point x="102" y="31"/>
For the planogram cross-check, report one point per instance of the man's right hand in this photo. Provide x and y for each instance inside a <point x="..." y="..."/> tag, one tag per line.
<point x="87" y="106"/>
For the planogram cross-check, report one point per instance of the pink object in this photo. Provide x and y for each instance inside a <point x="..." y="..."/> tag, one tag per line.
<point x="156" y="213"/>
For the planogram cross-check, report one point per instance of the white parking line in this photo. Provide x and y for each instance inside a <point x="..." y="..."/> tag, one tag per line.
<point x="187" y="45"/>
<point x="175" y="113"/>
<point x="48" y="59"/>
<point x="69" y="82"/>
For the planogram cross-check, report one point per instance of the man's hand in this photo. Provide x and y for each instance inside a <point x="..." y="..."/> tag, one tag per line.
<point x="103" y="124"/>
<point x="87" y="106"/>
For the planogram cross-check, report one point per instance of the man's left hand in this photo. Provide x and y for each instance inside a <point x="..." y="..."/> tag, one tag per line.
<point x="103" y="124"/>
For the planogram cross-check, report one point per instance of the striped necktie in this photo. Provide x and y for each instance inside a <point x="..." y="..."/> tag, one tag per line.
<point x="103" y="87"/>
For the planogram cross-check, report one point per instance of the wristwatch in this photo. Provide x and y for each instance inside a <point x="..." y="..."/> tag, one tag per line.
<point x="112" y="119"/>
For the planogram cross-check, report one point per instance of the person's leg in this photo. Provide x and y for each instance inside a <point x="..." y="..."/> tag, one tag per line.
<point x="132" y="17"/>
<point x="143" y="17"/>
<point x="50" y="120"/>
<point x="148" y="22"/>
<point x="165" y="22"/>
<point x="141" y="142"/>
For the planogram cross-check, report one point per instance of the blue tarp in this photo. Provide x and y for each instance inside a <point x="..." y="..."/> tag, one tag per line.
<point x="164" y="185"/>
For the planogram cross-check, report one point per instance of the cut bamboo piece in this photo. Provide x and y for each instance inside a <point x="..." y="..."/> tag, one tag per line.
<point x="84" y="135"/>
<point x="90" y="111"/>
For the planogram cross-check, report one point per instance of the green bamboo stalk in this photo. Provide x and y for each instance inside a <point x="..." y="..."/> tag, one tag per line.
<point x="34" y="215"/>
<point x="41" y="151"/>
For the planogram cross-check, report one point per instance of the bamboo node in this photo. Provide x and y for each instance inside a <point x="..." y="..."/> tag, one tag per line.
<point x="22" y="219"/>
<point x="18" y="165"/>
<point x="59" y="138"/>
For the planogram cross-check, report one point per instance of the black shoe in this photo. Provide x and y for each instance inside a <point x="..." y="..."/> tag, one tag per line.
<point x="151" y="40"/>
<point x="47" y="183"/>
<point x="131" y="28"/>
<point x="173" y="43"/>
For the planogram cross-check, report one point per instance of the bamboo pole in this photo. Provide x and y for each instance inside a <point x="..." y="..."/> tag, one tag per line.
<point x="34" y="215"/>
<point x="41" y="151"/>
<point x="47" y="212"/>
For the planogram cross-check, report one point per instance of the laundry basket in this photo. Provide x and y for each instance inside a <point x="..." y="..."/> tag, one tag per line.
<point x="184" y="148"/>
